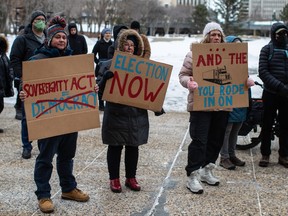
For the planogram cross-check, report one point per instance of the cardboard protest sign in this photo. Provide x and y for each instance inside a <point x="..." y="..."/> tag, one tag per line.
<point x="60" y="96"/>
<point x="221" y="71"/>
<point x="137" y="82"/>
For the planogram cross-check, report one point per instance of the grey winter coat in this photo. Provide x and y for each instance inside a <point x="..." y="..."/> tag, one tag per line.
<point x="122" y="124"/>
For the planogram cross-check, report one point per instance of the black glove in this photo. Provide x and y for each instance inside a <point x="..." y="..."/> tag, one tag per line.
<point x="106" y="76"/>
<point x="283" y="90"/>
<point x="160" y="112"/>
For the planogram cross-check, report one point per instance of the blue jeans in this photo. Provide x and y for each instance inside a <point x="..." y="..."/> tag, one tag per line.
<point x="26" y="144"/>
<point x="65" y="148"/>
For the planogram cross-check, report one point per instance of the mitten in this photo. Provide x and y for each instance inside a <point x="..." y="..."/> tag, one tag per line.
<point x="106" y="76"/>
<point x="159" y="113"/>
<point x="192" y="85"/>
<point x="250" y="82"/>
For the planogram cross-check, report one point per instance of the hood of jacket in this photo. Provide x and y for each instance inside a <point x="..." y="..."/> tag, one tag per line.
<point x="274" y="28"/>
<point x="3" y="44"/>
<point x="121" y="40"/>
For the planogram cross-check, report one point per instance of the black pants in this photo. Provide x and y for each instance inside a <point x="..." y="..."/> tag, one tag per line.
<point x="207" y="131"/>
<point x="273" y="103"/>
<point x="114" y="158"/>
<point x="1" y="104"/>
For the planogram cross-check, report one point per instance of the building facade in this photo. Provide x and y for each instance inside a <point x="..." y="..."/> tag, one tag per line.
<point x="266" y="10"/>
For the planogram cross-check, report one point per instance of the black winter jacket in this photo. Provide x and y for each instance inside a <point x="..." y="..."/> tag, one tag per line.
<point x="273" y="66"/>
<point x="22" y="49"/>
<point x="6" y="72"/>
<point x="122" y="124"/>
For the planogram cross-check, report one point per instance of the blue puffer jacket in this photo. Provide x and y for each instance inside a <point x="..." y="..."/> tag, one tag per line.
<point x="237" y="114"/>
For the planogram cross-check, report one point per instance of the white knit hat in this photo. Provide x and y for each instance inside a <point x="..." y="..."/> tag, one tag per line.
<point x="212" y="26"/>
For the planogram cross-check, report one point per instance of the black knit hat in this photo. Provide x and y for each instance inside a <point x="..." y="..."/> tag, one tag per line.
<point x="135" y="25"/>
<point x="36" y="14"/>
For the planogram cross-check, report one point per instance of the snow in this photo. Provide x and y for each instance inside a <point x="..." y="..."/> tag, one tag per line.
<point x="172" y="50"/>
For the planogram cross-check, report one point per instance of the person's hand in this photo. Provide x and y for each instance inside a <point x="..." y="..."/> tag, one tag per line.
<point x="250" y="82"/>
<point x="192" y="85"/>
<point x="22" y="95"/>
<point x="159" y="113"/>
<point x="96" y="88"/>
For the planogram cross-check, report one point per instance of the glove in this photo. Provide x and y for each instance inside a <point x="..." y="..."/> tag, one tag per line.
<point x="250" y="82"/>
<point x="283" y="90"/>
<point x="106" y="76"/>
<point x="192" y="85"/>
<point x="160" y="112"/>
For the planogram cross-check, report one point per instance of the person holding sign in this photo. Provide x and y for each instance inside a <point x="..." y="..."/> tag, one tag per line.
<point x="63" y="145"/>
<point x="123" y="125"/>
<point x="207" y="128"/>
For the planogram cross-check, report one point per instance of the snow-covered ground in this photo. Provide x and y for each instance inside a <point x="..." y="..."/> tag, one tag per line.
<point x="172" y="51"/>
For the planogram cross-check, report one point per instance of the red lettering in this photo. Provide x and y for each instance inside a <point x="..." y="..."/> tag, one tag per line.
<point x="121" y="87"/>
<point x="200" y="61"/>
<point x="139" y="88"/>
<point x="211" y="60"/>
<point x="150" y="94"/>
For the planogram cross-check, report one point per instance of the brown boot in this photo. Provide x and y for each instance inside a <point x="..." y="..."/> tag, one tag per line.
<point x="264" y="162"/>
<point x="76" y="195"/>
<point x="227" y="164"/>
<point x="283" y="161"/>
<point x="46" y="205"/>
<point x="236" y="161"/>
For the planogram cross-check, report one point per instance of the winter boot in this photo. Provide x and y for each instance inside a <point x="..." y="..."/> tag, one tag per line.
<point x="207" y="176"/>
<point x="193" y="183"/>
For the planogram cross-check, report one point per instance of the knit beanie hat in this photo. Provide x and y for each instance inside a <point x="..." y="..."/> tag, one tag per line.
<point x="105" y="30"/>
<point x="56" y="25"/>
<point x="212" y="26"/>
<point x="135" y="25"/>
<point x="36" y="14"/>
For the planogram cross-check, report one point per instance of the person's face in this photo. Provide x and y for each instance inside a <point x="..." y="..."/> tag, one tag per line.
<point x="129" y="47"/>
<point x="59" y="41"/>
<point x="280" y="35"/>
<point x="73" y="31"/>
<point x="39" y="23"/>
<point x="215" y="36"/>
<point x="107" y="35"/>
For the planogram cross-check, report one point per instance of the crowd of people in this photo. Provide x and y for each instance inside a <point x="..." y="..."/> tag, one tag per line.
<point x="213" y="132"/>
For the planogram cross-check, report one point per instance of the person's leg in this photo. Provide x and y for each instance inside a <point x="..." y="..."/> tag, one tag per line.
<point x="233" y="138"/>
<point x="269" y="114"/>
<point x="131" y="161"/>
<point x="283" y="122"/>
<point x="26" y="144"/>
<point x="43" y="167"/>
<point x="113" y="160"/>
<point x="216" y="135"/>
<point x="225" y="159"/>
<point x="1" y="109"/>
<point x="199" y="128"/>
<point x="224" y="150"/>
<point x="66" y="152"/>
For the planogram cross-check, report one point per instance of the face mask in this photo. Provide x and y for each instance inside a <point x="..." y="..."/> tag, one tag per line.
<point x="40" y="25"/>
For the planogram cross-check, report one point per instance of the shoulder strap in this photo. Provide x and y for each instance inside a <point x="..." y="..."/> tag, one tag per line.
<point x="271" y="51"/>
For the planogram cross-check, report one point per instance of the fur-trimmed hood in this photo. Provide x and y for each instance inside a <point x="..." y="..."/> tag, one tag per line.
<point x="3" y="44"/>
<point x="122" y="38"/>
